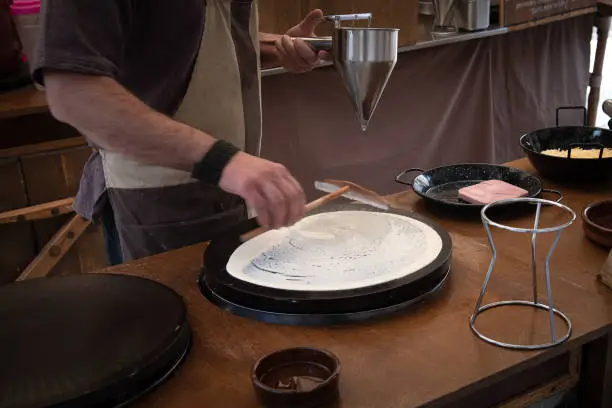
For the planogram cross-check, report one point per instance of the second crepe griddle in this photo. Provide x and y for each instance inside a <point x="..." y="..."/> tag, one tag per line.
<point x="92" y="340"/>
<point x="317" y="307"/>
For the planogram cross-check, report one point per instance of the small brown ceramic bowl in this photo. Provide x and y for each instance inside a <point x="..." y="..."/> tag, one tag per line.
<point x="597" y="223"/>
<point x="297" y="377"/>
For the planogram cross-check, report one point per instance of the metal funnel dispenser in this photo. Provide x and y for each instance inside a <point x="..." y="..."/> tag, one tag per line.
<point x="364" y="58"/>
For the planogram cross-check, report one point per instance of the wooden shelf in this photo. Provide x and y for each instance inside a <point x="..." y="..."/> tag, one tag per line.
<point x="552" y="19"/>
<point x="22" y="102"/>
<point x="605" y="7"/>
<point x="30" y="149"/>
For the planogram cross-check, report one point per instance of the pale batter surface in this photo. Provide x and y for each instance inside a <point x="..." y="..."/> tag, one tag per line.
<point x="337" y="251"/>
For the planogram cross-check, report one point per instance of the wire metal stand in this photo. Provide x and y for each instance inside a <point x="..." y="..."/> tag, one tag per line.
<point x="488" y="223"/>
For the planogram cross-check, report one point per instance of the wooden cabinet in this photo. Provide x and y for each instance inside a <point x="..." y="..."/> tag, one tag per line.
<point x="277" y="16"/>
<point x="38" y="174"/>
<point x="17" y="246"/>
<point x="53" y="175"/>
<point x="41" y="161"/>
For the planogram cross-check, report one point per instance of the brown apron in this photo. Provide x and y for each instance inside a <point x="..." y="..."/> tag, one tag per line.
<point x="158" y="209"/>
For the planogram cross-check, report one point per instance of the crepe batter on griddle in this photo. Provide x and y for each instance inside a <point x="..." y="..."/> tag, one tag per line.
<point x="336" y="251"/>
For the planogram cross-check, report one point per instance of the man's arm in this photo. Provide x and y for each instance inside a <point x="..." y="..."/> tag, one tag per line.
<point x="109" y="116"/>
<point x="80" y="55"/>
<point x="112" y="118"/>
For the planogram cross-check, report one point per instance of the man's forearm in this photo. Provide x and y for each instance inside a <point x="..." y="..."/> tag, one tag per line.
<point x="109" y="116"/>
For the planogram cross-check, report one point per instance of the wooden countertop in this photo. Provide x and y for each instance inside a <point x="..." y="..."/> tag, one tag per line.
<point x="426" y="355"/>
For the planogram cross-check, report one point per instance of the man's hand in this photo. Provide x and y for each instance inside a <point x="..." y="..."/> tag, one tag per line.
<point x="296" y="55"/>
<point x="267" y="187"/>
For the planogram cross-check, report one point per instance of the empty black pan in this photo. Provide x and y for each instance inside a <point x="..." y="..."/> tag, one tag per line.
<point x="569" y="168"/>
<point x="440" y="186"/>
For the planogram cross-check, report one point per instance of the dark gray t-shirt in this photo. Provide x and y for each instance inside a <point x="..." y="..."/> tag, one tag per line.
<point x="148" y="46"/>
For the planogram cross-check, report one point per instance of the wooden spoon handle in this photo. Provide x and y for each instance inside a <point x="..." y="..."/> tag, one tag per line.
<point x="309" y="207"/>
<point x="326" y="198"/>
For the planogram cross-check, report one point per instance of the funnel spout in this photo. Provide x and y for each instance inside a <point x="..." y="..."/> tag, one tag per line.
<point x="364" y="125"/>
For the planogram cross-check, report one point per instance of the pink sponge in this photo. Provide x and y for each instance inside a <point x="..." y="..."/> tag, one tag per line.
<point x="490" y="191"/>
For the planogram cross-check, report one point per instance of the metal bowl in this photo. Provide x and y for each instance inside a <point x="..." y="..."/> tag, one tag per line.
<point x="426" y="8"/>
<point x="299" y="377"/>
<point x="597" y="222"/>
<point x="566" y="138"/>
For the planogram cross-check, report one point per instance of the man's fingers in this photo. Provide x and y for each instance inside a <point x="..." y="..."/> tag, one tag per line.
<point x="278" y="194"/>
<point x="324" y="56"/>
<point x="310" y="22"/>
<point x="256" y="200"/>
<point x="293" y="203"/>
<point x="277" y="198"/>
<point x="284" y="197"/>
<point x="294" y="194"/>
<point x="305" y="52"/>
<point x="280" y="48"/>
<point x="277" y="203"/>
<point x="284" y="47"/>
<point x="267" y="187"/>
<point x="300" y="57"/>
<point x="296" y="198"/>
<point x="291" y="56"/>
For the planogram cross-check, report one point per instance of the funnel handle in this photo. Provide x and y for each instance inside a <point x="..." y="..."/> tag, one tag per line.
<point x="318" y="43"/>
<point x="337" y="18"/>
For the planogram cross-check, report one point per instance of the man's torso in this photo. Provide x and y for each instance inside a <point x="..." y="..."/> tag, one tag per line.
<point x="162" y="45"/>
<point x="194" y="60"/>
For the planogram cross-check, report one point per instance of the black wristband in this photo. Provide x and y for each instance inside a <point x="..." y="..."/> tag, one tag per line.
<point x="210" y="168"/>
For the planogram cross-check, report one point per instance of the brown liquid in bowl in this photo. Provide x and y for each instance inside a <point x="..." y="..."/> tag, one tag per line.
<point x="300" y="377"/>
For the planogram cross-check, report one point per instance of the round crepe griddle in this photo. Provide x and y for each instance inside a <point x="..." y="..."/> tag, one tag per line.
<point x="336" y="251"/>
<point x="320" y="307"/>
<point x="93" y="340"/>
